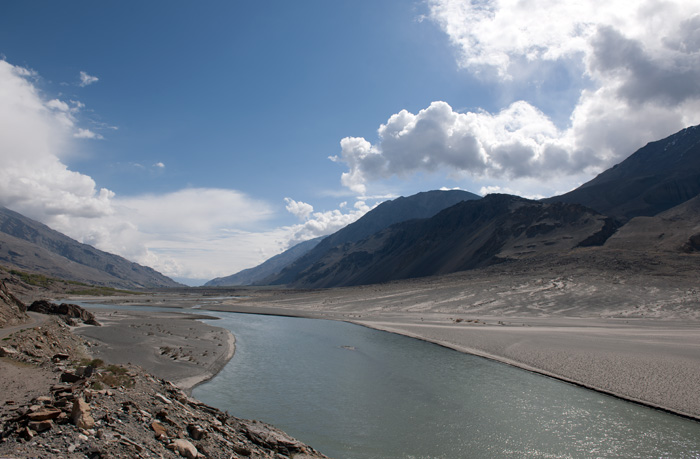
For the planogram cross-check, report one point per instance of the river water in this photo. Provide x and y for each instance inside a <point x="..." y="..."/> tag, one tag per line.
<point x="353" y="392"/>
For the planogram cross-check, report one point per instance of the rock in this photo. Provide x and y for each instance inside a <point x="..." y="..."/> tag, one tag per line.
<point x="7" y="351"/>
<point x="40" y="426"/>
<point x="26" y="433"/>
<point x="66" y="311"/>
<point x="60" y="356"/>
<point x="196" y="432"/>
<point x="80" y="415"/>
<point x="184" y="448"/>
<point x="159" y="430"/>
<point x="69" y="377"/>
<point x="43" y="414"/>
<point x="163" y="399"/>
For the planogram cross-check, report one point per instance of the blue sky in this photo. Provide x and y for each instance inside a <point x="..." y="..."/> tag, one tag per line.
<point x="200" y="138"/>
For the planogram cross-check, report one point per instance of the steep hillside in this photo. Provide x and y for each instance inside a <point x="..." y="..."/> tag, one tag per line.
<point x="31" y="246"/>
<point x="468" y="235"/>
<point x="655" y="178"/>
<point x="270" y="267"/>
<point x="421" y="205"/>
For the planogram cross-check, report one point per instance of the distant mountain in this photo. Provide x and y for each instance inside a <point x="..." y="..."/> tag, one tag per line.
<point x="468" y="235"/>
<point x="270" y="267"/>
<point x="28" y="245"/>
<point x="655" y="178"/>
<point x="421" y="205"/>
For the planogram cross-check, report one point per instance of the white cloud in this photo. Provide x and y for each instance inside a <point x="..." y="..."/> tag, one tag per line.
<point x="86" y="79"/>
<point x="637" y="69"/>
<point x="299" y="209"/>
<point x="328" y="222"/>
<point x="195" y="232"/>
<point x="159" y="165"/>
<point x="86" y="134"/>
<point x="33" y="135"/>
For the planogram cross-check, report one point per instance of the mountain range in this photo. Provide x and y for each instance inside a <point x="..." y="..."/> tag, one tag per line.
<point x="654" y="181"/>
<point x="648" y="202"/>
<point x="28" y="245"/>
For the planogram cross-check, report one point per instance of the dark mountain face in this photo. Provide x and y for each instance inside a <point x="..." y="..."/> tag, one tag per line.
<point x="657" y="177"/>
<point x="421" y="205"/>
<point x="29" y="245"/>
<point x="269" y="268"/>
<point x="468" y="235"/>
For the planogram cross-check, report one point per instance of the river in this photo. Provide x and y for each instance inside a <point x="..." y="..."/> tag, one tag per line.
<point x="352" y="392"/>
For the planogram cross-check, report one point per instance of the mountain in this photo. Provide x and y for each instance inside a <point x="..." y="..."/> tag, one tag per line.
<point x="468" y="235"/>
<point x="31" y="246"/>
<point x="655" y="178"/>
<point x="270" y="267"/>
<point x="421" y="205"/>
<point x="675" y="230"/>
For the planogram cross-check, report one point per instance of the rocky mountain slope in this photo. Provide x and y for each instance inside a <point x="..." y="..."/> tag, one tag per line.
<point x="655" y="178"/>
<point x="421" y="205"/>
<point x="12" y="310"/>
<point x="468" y="235"/>
<point x="28" y="245"/>
<point x="269" y="268"/>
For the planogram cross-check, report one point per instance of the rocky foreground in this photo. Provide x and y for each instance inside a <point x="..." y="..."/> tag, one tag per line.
<point x="58" y="402"/>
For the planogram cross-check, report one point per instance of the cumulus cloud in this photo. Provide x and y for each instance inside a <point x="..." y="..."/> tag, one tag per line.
<point x="86" y="79"/>
<point x="33" y="135"/>
<point x="324" y="223"/>
<point x="299" y="209"/>
<point x="638" y="79"/>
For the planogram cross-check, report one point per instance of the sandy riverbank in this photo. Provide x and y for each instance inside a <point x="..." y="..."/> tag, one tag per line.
<point x="174" y="346"/>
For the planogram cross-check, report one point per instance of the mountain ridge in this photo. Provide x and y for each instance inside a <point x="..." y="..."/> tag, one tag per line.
<point x="468" y="235"/>
<point x="29" y="245"/>
<point x="419" y="205"/>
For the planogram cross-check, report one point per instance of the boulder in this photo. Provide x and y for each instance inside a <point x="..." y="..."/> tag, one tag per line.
<point x="80" y="415"/>
<point x="67" y="311"/>
<point x="40" y="426"/>
<point x="184" y="448"/>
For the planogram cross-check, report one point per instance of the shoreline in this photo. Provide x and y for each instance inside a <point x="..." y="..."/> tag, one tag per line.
<point x="531" y="369"/>
<point x="396" y="328"/>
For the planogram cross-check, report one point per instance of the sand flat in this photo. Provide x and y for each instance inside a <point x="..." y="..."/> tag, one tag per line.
<point x="174" y="346"/>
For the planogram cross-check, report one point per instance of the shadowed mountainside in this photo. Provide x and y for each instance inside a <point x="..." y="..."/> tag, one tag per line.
<point x="421" y="205"/>
<point x="28" y="245"/>
<point x="655" y="178"/>
<point x="468" y="235"/>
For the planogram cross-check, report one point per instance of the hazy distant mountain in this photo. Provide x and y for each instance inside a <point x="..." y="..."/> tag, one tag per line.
<point x="467" y="235"/>
<point x="421" y="205"/>
<point x="655" y="178"/>
<point x="270" y="267"/>
<point x="28" y="245"/>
